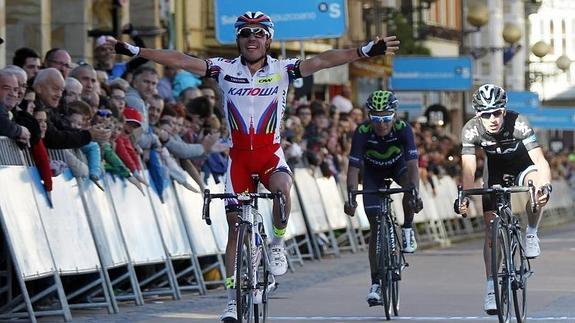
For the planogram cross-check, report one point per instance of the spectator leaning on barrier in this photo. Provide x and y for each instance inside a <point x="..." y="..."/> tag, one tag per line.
<point x="385" y="148"/>
<point x="22" y="78"/>
<point x="247" y="100"/>
<point x="78" y="118"/>
<point x="8" y="99"/>
<point x="49" y="86"/>
<point x="39" y="152"/>
<point x="124" y="147"/>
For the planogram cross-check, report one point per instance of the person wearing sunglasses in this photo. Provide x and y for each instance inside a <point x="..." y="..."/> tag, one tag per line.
<point x="511" y="148"/>
<point x="384" y="147"/>
<point x="255" y="87"/>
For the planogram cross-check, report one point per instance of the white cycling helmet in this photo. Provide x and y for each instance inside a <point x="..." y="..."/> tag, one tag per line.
<point x="255" y="18"/>
<point x="489" y="97"/>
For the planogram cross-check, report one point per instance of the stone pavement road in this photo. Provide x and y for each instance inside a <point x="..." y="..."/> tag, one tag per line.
<point x="441" y="285"/>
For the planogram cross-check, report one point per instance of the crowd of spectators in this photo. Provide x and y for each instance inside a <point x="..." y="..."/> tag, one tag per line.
<point x="121" y="117"/>
<point x="112" y="117"/>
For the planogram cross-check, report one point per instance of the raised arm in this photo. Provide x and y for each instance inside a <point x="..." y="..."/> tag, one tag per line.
<point x="384" y="46"/>
<point x="161" y="56"/>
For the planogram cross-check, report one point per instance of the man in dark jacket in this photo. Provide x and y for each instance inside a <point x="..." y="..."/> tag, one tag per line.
<point x="8" y="99"/>
<point x="49" y="86"/>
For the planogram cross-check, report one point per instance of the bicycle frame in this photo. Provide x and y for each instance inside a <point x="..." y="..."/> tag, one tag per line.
<point x="386" y="232"/>
<point x="255" y="243"/>
<point x="506" y="243"/>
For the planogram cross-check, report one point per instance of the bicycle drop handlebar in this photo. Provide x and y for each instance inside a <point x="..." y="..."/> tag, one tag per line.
<point x="498" y="189"/>
<point x="382" y="191"/>
<point x="243" y="198"/>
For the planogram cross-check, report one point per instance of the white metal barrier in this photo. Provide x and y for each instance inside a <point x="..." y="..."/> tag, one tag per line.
<point x="87" y="229"/>
<point x="136" y="218"/>
<point x="23" y="225"/>
<point x="66" y="225"/>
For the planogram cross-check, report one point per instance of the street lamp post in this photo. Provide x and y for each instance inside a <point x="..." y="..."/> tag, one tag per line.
<point x="540" y="49"/>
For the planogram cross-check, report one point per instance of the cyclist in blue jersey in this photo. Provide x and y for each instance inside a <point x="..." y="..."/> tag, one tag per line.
<point x="384" y="147"/>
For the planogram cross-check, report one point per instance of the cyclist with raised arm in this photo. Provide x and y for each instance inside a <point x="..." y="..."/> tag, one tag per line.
<point x="255" y="87"/>
<point x="511" y="148"/>
<point x="384" y="147"/>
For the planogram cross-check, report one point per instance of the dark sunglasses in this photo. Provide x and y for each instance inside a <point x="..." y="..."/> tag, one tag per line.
<point x="496" y="114"/>
<point x="246" y="32"/>
<point x="380" y="119"/>
<point x="104" y="113"/>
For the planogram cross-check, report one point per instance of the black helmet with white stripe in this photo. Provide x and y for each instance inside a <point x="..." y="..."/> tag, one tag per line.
<point x="489" y="97"/>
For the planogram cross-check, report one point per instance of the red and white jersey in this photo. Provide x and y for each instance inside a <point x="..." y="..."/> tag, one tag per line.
<point x="254" y="104"/>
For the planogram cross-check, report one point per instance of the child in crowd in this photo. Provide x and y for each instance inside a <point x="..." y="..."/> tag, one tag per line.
<point x="78" y="118"/>
<point x="39" y="152"/>
<point x="112" y="163"/>
<point x="124" y="146"/>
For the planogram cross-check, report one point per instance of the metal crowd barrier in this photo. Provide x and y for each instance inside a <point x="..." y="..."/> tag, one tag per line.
<point x="81" y="230"/>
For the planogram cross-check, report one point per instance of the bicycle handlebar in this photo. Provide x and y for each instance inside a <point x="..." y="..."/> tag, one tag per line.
<point x="498" y="189"/>
<point x="246" y="197"/>
<point x="382" y="191"/>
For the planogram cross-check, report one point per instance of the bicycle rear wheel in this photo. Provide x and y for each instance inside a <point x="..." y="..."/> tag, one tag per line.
<point x="519" y="284"/>
<point x="500" y="265"/>
<point x="244" y="274"/>
<point x="262" y="276"/>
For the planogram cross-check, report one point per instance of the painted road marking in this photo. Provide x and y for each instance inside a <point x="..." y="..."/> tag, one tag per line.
<point x="410" y="318"/>
<point x="364" y="318"/>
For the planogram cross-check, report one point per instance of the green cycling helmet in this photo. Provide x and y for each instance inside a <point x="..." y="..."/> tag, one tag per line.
<point x="380" y="100"/>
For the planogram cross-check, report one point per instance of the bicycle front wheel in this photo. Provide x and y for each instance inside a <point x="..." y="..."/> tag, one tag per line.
<point x="385" y="274"/>
<point x="500" y="266"/>
<point x="396" y="267"/>
<point x="262" y="283"/>
<point x="519" y="284"/>
<point x="244" y="274"/>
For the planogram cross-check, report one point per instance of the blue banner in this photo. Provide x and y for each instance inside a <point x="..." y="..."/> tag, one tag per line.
<point x="555" y="118"/>
<point x="431" y="74"/>
<point x="293" y="20"/>
<point x="522" y="101"/>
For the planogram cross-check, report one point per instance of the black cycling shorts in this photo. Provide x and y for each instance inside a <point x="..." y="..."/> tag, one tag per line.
<point x="495" y="176"/>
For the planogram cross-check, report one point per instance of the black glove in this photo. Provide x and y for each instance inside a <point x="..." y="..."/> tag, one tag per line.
<point x="349" y="208"/>
<point x="126" y="49"/>
<point x="456" y="204"/>
<point x="418" y="205"/>
<point x="372" y="49"/>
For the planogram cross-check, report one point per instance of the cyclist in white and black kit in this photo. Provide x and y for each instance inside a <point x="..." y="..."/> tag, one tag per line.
<point x="510" y="147"/>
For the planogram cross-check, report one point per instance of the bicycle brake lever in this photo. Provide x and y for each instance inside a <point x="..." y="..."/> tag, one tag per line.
<point x="282" y="201"/>
<point x="460" y="197"/>
<point x="206" y="207"/>
<point x="532" y="196"/>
